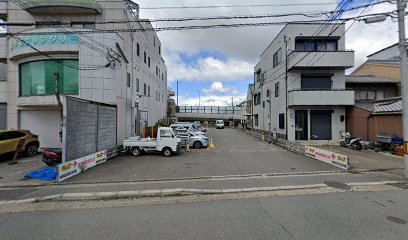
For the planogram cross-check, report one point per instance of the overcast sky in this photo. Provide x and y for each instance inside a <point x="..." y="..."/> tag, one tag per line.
<point x="219" y="62"/>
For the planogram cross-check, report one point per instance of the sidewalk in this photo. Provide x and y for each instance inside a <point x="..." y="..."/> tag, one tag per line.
<point x="359" y="160"/>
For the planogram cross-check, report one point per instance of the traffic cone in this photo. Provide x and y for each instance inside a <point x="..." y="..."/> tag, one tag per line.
<point x="211" y="145"/>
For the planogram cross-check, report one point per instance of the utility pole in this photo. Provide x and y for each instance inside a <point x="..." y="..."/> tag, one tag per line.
<point x="60" y="106"/>
<point x="286" y="86"/>
<point x="177" y="92"/>
<point x="401" y="4"/>
<point x="199" y="98"/>
<point x="270" y="115"/>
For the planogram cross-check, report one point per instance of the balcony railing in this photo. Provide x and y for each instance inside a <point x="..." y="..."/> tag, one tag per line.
<point x="320" y="97"/>
<point x="323" y="59"/>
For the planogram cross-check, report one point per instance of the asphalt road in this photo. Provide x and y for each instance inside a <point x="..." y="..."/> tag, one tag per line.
<point x="351" y="215"/>
<point x="235" y="153"/>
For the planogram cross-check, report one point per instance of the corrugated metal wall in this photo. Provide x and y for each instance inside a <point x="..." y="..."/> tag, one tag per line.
<point x="91" y="127"/>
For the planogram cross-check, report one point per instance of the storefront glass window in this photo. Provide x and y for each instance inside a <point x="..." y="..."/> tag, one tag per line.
<point x="38" y="78"/>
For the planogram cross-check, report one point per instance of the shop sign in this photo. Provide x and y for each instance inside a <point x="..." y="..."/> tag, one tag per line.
<point x="336" y="159"/>
<point x="72" y="168"/>
<point x="44" y="40"/>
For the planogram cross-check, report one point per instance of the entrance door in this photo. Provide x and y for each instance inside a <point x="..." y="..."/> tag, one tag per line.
<point x="321" y="125"/>
<point x="301" y="125"/>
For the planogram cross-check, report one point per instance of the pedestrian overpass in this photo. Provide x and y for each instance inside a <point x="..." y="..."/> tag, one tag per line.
<point x="208" y="113"/>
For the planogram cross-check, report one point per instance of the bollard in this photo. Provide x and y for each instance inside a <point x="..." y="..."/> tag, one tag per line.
<point x="187" y="147"/>
<point x="211" y="145"/>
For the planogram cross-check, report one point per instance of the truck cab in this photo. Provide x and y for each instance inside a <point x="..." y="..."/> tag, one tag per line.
<point x="166" y="142"/>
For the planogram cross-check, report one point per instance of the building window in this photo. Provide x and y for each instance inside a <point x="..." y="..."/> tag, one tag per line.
<point x="268" y="93"/>
<point x="38" y="77"/>
<point x="277" y="89"/>
<point x="148" y="91"/>
<point x="308" y="45"/>
<point x="148" y="63"/>
<point x="87" y="25"/>
<point x="379" y="95"/>
<point x="256" y="120"/>
<point x="367" y="95"/>
<point x="128" y="80"/>
<point x="3" y="72"/>
<point x="277" y="57"/>
<point x="138" y="49"/>
<point x="281" y="121"/>
<point x="48" y="24"/>
<point x="258" y="75"/>
<point x="159" y="50"/>
<point x="145" y="57"/>
<point x="162" y="77"/>
<point x="144" y="89"/>
<point x="137" y="84"/>
<point x="157" y="70"/>
<point x="316" y="82"/>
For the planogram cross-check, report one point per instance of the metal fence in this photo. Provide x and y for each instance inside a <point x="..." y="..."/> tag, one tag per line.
<point x="209" y="109"/>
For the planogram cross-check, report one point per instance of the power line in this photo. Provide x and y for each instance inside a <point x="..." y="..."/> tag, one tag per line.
<point x="238" y="6"/>
<point x="213" y="26"/>
<point x="314" y="14"/>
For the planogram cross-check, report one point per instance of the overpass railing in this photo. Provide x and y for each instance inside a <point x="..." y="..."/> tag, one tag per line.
<point x="209" y="110"/>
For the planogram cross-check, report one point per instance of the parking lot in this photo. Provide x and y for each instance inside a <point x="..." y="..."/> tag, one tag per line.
<point x="235" y="153"/>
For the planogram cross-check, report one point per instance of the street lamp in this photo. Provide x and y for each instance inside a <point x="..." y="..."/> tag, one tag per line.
<point x="199" y="98"/>
<point x="401" y="4"/>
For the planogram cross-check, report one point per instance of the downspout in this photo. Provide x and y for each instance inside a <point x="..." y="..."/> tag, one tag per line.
<point x="286" y="84"/>
<point x="60" y="105"/>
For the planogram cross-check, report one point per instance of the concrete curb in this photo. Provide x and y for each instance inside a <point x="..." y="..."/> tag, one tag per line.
<point x="179" y="192"/>
<point x="220" y="177"/>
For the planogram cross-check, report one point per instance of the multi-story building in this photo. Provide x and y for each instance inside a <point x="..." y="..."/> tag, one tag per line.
<point x="299" y="84"/>
<point x="98" y="50"/>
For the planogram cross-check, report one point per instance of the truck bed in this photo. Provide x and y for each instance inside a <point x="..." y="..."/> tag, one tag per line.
<point x="136" y="142"/>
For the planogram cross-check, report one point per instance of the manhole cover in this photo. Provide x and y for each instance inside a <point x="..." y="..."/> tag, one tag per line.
<point x="396" y="220"/>
<point x="337" y="185"/>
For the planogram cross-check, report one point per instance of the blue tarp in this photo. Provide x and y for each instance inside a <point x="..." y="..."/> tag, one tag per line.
<point x="47" y="174"/>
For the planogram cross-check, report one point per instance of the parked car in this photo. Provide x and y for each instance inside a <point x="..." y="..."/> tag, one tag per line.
<point x="10" y="138"/>
<point x="219" y="124"/>
<point x="191" y="138"/>
<point x="166" y="142"/>
<point x="189" y="126"/>
<point x="199" y="127"/>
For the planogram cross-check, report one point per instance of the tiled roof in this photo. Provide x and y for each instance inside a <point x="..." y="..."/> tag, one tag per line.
<point x="368" y="79"/>
<point x="382" y="106"/>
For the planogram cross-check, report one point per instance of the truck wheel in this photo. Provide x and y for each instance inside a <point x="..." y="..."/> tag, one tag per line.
<point x="197" y="145"/>
<point x="136" y="151"/>
<point x="167" y="152"/>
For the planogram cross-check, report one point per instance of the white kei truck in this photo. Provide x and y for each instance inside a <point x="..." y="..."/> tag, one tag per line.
<point x="166" y="142"/>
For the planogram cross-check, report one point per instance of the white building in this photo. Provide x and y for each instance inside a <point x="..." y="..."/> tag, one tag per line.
<point x="124" y="69"/>
<point x="300" y="84"/>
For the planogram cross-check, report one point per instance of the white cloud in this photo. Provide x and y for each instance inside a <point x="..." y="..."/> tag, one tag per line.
<point x="217" y="87"/>
<point x="207" y="69"/>
<point x="211" y="100"/>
